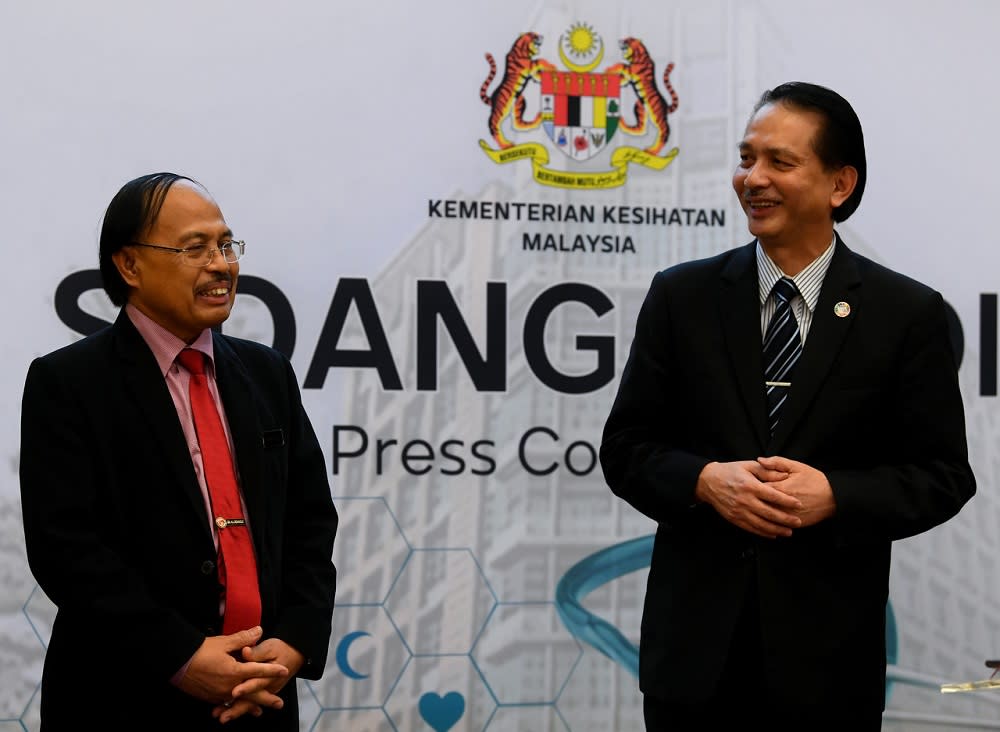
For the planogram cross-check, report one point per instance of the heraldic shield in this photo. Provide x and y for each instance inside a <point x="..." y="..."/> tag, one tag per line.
<point x="580" y="111"/>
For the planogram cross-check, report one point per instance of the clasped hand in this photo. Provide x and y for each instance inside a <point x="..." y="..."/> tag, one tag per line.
<point x="239" y="687"/>
<point x="769" y="496"/>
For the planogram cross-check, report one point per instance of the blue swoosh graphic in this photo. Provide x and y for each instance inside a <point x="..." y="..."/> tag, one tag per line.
<point x="620" y="559"/>
<point x="586" y="576"/>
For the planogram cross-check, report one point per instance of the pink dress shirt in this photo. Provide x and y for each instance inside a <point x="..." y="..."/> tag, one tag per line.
<point x="165" y="347"/>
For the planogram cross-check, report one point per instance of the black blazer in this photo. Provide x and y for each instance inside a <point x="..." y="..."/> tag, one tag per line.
<point x="118" y="537"/>
<point x="875" y="405"/>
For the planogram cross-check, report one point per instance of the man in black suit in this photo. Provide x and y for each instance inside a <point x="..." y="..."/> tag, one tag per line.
<point x="118" y="512"/>
<point x="777" y="503"/>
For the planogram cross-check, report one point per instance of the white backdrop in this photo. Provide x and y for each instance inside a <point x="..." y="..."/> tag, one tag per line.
<point x="325" y="131"/>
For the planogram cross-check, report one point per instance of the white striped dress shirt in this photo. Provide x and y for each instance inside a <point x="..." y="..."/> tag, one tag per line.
<point x="809" y="281"/>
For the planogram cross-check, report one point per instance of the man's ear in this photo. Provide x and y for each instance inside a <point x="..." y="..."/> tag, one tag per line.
<point x="844" y="182"/>
<point x="128" y="266"/>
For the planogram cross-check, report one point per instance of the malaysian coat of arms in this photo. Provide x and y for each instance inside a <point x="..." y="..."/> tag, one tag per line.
<point x="580" y="109"/>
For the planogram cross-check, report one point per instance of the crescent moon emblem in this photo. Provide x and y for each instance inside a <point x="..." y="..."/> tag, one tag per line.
<point x="342" y="650"/>
<point x="583" y="68"/>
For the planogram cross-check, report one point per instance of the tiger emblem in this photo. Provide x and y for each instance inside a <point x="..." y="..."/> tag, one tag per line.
<point x="639" y="72"/>
<point x="523" y="66"/>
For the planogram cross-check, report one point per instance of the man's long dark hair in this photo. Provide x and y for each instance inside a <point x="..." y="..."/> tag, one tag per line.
<point x="131" y="212"/>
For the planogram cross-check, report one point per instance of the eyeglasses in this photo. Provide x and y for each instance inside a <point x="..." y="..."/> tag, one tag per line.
<point x="200" y="255"/>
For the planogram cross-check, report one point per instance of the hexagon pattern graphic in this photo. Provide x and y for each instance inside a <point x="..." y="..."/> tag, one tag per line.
<point x="525" y="653"/>
<point x="532" y="718"/>
<point x="22" y="655"/>
<point x="440" y="601"/>
<point x="355" y="720"/>
<point x="600" y="696"/>
<point x="41" y="613"/>
<point x="366" y="657"/>
<point x="440" y="693"/>
<point x="309" y="708"/>
<point x="369" y="544"/>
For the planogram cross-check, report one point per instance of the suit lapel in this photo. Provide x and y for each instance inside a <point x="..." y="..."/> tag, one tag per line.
<point x="238" y="399"/>
<point x="740" y="315"/>
<point x="825" y="338"/>
<point x="147" y="389"/>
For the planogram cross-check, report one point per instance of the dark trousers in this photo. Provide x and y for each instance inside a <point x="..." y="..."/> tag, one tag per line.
<point x="722" y="713"/>
<point x="743" y="701"/>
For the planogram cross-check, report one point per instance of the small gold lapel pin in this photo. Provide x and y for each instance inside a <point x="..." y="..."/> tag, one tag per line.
<point x="842" y="309"/>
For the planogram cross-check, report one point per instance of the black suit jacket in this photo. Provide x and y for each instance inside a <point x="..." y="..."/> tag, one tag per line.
<point x="875" y="405"/>
<point x="118" y="537"/>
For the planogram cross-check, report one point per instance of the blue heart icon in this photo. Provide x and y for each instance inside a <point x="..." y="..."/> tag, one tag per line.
<point x="442" y="712"/>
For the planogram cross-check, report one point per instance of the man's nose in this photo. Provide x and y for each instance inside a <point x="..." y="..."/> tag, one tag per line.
<point x="756" y="176"/>
<point x="218" y="262"/>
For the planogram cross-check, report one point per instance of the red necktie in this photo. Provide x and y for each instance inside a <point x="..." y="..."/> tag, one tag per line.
<point x="237" y="565"/>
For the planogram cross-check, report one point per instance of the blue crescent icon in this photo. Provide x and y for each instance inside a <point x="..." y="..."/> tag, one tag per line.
<point x="342" y="650"/>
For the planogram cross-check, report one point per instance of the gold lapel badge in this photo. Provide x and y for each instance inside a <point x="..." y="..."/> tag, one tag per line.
<point x="842" y="309"/>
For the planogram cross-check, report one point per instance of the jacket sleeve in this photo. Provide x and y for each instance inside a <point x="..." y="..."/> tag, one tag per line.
<point x="638" y="453"/>
<point x="309" y="577"/>
<point x="924" y="476"/>
<point x="95" y="588"/>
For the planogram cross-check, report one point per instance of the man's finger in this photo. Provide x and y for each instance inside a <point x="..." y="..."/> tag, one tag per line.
<point x="767" y="520"/>
<point x="257" y="683"/>
<point x="227" y="714"/>
<point x="773" y="523"/>
<point x="767" y="475"/>
<point x="221" y="709"/>
<point x="260" y="672"/>
<point x="774" y="496"/>
<point x="263" y="652"/>
<point x="780" y="518"/>
<point x="243" y="638"/>
<point x="263" y="698"/>
<point x="776" y="462"/>
<point x="757" y="520"/>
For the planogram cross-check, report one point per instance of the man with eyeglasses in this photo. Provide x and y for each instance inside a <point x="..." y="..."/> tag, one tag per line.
<point x="175" y="500"/>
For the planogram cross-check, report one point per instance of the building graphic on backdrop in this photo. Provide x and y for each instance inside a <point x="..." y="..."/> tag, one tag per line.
<point x="583" y="112"/>
<point x="456" y="580"/>
<point x="454" y="576"/>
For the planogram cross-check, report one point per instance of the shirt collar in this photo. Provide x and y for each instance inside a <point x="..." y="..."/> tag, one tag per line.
<point x="809" y="280"/>
<point x="164" y="344"/>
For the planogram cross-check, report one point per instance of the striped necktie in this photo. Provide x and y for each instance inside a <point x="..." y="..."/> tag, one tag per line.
<point x="782" y="348"/>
